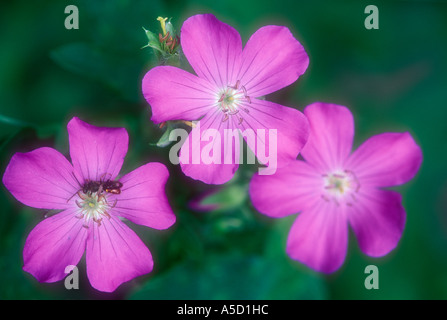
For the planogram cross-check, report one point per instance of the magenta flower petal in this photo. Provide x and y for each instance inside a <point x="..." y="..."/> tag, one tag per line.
<point x="319" y="238"/>
<point x="143" y="199"/>
<point x="272" y="59"/>
<point x="175" y="94"/>
<point x="290" y="125"/>
<point x="331" y="135"/>
<point x="378" y="221"/>
<point x="93" y="201"/>
<point x="387" y="159"/>
<point x="115" y="254"/>
<point x="286" y="192"/>
<point x="333" y="189"/>
<point x="42" y="178"/>
<point x="213" y="49"/>
<point x="224" y="93"/>
<point x="55" y="243"/>
<point x="211" y="151"/>
<point x="96" y="152"/>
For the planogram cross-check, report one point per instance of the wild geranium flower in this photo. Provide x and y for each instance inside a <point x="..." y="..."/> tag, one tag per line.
<point x="92" y="201"/>
<point x="333" y="188"/>
<point x="225" y="94"/>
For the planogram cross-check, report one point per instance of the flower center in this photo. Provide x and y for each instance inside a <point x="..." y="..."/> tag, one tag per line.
<point x="340" y="187"/>
<point x="93" y="207"/>
<point x="232" y="99"/>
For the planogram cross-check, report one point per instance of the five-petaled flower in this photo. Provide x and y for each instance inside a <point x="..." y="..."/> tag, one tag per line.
<point x="333" y="188"/>
<point x="225" y="94"/>
<point x="92" y="202"/>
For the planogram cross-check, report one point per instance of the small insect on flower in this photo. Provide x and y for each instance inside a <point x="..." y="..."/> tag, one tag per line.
<point x="112" y="186"/>
<point x="91" y="206"/>
<point x="92" y="187"/>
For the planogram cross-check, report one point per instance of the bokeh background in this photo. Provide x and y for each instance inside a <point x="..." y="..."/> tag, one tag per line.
<point x="393" y="79"/>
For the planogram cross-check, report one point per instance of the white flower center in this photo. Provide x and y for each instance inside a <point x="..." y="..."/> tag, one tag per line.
<point x="232" y="99"/>
<point x="93" y="207"/>
<point x="340" y="186"/>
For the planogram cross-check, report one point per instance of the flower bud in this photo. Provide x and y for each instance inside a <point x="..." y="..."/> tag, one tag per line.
<point x="166" y="45"/>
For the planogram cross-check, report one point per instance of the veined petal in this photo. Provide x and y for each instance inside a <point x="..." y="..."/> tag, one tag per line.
<point x="271" y="60"/>
<point x="175" y="94"/>
<point x="115" y="254"/>
<point x="42" y="178"/>
<point x="143" y="198"/>
<point x="213" y="49"/>
<point x="378" y="220"/>
<point x="96" y="152"/>
<point x="290" y="190"/>
<point x="287" y="127"/>
<point x="331" y="136"/>
<point x="54" y="244"/>
<point x="387" y="159"/>
<point x="211" y="151"/>
<point x="319" y="238"/>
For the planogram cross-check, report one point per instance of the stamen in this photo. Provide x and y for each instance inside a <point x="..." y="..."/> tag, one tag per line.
<point x="93" y="207"/>
<point x="354" y="177"/>
<point x="340" y="187"/>
<point x="236" y="86"/>
<point x="165" y="37"/>
<point x="173" y="45"/>
<point x="231" y="101"/>
<point x="98" y="221"/>
<point x="107" y="215"/>
<point x="189" y="123"/>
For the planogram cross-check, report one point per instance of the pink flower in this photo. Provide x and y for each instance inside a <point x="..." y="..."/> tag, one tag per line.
<point x="333" y="188"/>
<point x="92" y="202"/>
<point x="225" y="94"/>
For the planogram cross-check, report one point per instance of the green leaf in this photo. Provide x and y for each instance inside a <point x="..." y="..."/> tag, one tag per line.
<point x="153" y="41"/>
<point x="116" y="72"/>
<point x="228" y="198"/>
<point x="164" y="139"/>
<point x="234" y="276"/>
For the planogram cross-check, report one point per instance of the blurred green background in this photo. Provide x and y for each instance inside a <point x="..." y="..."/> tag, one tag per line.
<point x="393" y="79"/>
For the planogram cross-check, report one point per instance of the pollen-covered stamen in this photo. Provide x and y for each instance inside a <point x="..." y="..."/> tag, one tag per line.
<point x="232" y="99"/>
<point x="340" y="187"/>
<point x="93" y="207"/>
